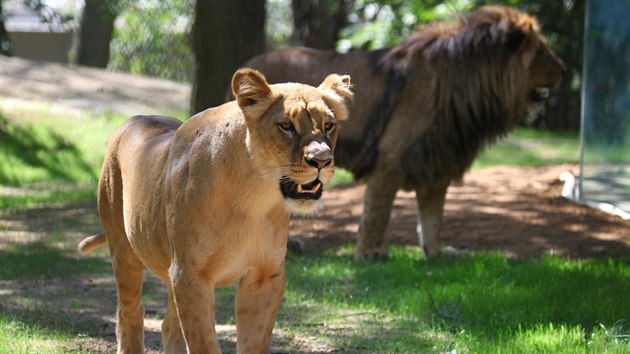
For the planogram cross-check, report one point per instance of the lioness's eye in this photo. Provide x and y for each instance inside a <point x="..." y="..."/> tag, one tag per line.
<point x="286" y="125"/>
<point x="328" y="126"/>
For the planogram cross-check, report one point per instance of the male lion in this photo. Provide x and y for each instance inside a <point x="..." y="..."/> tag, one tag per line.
<point x="207" y="202"/>
<point x="427" y="106"/>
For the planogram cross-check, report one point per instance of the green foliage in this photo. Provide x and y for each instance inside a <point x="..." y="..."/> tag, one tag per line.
<point x="153" y="39"/>
<point x="279" y="24"/>
<point x="377" y="24"/>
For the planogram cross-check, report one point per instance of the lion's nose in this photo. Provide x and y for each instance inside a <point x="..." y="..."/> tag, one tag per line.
<point x="318" y="154"/>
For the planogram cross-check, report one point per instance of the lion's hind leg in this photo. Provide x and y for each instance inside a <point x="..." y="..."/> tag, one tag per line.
<point x="379" y="196"/>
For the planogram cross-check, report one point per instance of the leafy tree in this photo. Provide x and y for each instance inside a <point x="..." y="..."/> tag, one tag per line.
<point x="5" y="43"/>
<point x="154" y="40"/>
<point x="374" y="24"/>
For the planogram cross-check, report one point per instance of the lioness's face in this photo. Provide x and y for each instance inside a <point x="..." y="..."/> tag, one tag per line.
<point x="292" y="132"/>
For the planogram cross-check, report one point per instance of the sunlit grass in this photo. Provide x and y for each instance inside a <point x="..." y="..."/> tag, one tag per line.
<point x="42" y="145"/>
<point x="482" y="303"/>
<point x="22" y="338"/>
<point x="530" y="147"/>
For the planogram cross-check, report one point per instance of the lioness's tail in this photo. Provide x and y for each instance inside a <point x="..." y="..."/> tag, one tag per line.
<point x="91" y="243"/>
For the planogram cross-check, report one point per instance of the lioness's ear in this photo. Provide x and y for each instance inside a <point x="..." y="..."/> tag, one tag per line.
<point x="250" y="88"/>
<point x="338" y="94"/>
<point x="340" y="84"/>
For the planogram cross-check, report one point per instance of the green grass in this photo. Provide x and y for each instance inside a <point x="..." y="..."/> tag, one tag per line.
<point x="19" y="338"/>
<point x="39" y="260"/>
<point x="42" y="145"/>
<point x="481" y="304"/>
<point x="47" y="194"/>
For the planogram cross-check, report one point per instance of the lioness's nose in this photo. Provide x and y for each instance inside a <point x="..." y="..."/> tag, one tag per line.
<point x="318" y="155"/>
<point x="317" y="163"/>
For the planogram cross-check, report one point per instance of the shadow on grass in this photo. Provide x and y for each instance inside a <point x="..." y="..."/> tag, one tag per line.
<point x="38" y="147"/>
<point x="38" y="260"/>
<point x="57" y="291"/>
<point x="42" y="286"/>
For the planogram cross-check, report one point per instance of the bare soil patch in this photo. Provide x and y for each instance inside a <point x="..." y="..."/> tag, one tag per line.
<point x="517" y="211"/>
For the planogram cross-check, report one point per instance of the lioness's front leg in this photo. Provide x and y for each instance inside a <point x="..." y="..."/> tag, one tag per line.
<point x="172" y="337"/>
<point x="379" y="197"/>
<point x="194" y="300"/>
<point x="257" y="302"/>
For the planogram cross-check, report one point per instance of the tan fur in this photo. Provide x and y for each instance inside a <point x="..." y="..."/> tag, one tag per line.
<point x="201" y="205"/>
<point x="426" y="107"/>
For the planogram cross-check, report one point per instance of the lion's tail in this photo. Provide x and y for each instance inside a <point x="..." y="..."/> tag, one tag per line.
<point x="91" y="243"/>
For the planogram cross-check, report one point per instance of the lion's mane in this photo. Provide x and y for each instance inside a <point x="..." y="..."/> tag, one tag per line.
<point x="473" y="92"/>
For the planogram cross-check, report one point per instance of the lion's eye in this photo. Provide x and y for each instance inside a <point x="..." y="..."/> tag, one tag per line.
<point x="286" y="125"/>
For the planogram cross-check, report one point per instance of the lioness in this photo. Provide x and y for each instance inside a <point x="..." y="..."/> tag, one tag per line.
<point x="427" y="107"/>
<point x="207" y="202"/>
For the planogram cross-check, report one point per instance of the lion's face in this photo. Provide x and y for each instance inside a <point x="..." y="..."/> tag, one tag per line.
<point x="545" y="72"/>
<point x="292" y="132"/>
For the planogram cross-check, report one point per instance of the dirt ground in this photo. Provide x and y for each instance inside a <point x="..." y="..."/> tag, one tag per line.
<point x="514" y="210"/>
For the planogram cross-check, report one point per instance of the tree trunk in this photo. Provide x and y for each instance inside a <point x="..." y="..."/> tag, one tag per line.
<point x="97" y="26"/>
<point x="5" y="43"/>
<point x="317" y="22"/>
<point x="226" y="33"/>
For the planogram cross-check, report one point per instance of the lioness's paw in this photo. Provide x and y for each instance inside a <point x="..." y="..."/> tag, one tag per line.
<point x="371" y="256"/>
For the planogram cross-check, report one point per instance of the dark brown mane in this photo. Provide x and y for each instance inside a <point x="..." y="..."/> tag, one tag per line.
<point x="480" y="32"/>
<point x="474" y="89"/>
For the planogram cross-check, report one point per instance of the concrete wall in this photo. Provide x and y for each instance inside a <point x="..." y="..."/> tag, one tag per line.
<point x="46" y="46"/>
